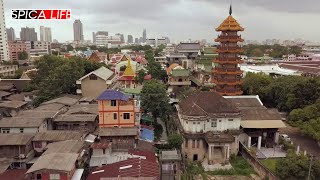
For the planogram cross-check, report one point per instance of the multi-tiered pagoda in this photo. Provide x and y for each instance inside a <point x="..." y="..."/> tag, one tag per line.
<point x="227" y="75"/>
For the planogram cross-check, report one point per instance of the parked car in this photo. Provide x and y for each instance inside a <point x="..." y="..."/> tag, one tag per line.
<point x="285" y="137"/>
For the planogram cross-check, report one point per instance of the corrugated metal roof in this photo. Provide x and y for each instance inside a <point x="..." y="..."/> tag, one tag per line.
<point x="57" y="135"/>
<point x="13" y="104"/>
<point x="15" y="139"/>
<point x="262" y="124"/>
<point x="118" y="131"/>
<point x="180" y="72"/>
<point x="112" y="95"/>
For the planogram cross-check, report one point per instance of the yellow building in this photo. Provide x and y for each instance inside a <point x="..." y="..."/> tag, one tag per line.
<point x="116" y="109"/>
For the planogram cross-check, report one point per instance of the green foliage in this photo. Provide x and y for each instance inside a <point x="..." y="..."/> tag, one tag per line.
<point x="255" y="83"/>
<point x="154" y="99"/>
<point x="154" y="68"/>
<point x="22" y="55"/>
<point x="158" y="130"/>
<point x="312" y="128"/>
<point x="141" y="75"/>
<point x="270" y="163"/>
<point x="239" y="167"/>
<point x="175" y="141"/>
<point x="275" y="51"/>
<point x="193" y="169"/>
<point x="56" y="76"/>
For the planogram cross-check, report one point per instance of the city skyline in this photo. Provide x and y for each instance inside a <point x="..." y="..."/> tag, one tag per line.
<point x="179" y="20"/>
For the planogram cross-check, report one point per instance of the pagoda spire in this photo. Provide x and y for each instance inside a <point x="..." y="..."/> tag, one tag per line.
<point x="129" y="71"/>
<point x="230" y="10"/>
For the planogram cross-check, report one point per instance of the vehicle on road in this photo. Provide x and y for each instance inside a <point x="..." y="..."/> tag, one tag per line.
<point x="285" y="137"/>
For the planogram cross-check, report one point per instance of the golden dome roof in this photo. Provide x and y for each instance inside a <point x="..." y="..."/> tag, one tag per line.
<point x="230" y="24"/>
<point x="129" y="71"/>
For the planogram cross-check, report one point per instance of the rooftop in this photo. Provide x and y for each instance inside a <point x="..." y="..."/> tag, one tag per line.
<point x="55" y="161"/>
<point x="204" y="103"/>
<point x="230" y="24"/>
<point x="57" y="135"/>
<point x="180" y="72"/>
<point x="15" y="139"/>
<point x="113" y="95"/>
<point x="194" y="46"/>
<point x="245" y="101"/>
<point x="132" y="90"/>
<point x="260" y="114"/>
<point x="12" y="104"/>
<point x="103" y="73"/>
<point x="169" y="155"/>
<point x="76" y="118"/>
<point x="118" y="131"/>
<point x="68" y="146"/>
<point x="83" y="109"/>
<point x="21" y="122"/>
<point x="65" y="100"/>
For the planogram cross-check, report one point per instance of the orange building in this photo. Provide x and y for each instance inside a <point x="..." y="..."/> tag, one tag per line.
<point x="227" y="74"/>
<point x="116" y="110"/>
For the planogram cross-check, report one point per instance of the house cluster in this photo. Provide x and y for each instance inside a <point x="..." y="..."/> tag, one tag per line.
<point x="72" y="137"/>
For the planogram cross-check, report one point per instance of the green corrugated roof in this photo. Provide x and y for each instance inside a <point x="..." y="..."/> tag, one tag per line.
<point x="132" y="90"/>
<point x="180" y="72"/>
<point x="209" y="50"/>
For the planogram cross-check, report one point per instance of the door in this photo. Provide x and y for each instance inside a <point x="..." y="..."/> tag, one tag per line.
<point x="195" y="157"/>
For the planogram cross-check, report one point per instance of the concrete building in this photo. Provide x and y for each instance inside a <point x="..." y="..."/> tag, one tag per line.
<point x="28" y="34"/>
<point x="94" y="83"/>
<point x="11" y="34"/>
<point x="210" y="126"/>
<point x="98" y="33"/>
<point x="8" y="70"/>
<point x="78" y="31"/>
<point x="136" y="40"/>
<point x="178" y="76"/>
<point x="4" y="51"/>
<point x="15" y="47"/>
<point x="144" y="36"/>
<point x="151" y="42"/>
<point x="39" y="48"/>
<point x="101" y="40"/>
<point x="121" y="37"/>
<point x="45" y="34"/>
<point x="130" y="39"/>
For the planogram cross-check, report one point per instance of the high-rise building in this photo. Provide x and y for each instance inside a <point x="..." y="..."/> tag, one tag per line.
<point x="130" y="39"/>
<point x="93" y="37"/>
<point x="4" y="50"/>
<point x="45" y="34"/>
<point x="140" y="40"/>
<point x="136" y="40"/>
<point x="78" y="30"/>
<point x="227" y="74"/>
<point x="28" y="34"/>
<point x="98" y="33"/>
<point x="144" y="35"/>
<point x="11" y="34"/>
<point x="121" y="37"/>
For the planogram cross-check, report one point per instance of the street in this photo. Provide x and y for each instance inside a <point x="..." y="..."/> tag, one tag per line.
<point x="305" y="142"/>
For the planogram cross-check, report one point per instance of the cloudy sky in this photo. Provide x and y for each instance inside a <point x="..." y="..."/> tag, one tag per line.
<point x="177" y="19"/>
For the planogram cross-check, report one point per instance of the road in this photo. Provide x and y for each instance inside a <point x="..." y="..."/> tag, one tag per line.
<point x="305" y="142"/>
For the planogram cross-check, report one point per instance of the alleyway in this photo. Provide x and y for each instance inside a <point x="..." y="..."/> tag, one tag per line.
<point x="164" y="136"/>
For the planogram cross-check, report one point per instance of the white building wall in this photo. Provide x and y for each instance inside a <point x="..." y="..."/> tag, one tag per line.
<point x="4" y="50"/>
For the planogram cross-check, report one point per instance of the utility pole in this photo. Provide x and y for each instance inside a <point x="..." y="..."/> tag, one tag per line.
<point x="310" y="165"/>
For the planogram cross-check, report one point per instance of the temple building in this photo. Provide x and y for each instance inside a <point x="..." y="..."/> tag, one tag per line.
<point x="127" y="79"/>
<point x="227" y="74"/>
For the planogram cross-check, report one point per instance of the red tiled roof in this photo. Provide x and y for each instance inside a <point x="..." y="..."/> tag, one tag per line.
<point x="16" y="174"/>
<point x="135" y="167"/>
<point x="147" y="77"/>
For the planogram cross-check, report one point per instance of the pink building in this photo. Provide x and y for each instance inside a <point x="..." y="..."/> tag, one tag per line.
<point x="15" y="47"/>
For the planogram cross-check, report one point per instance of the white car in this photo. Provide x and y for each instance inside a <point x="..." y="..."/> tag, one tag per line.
<point x="285" y="137"/>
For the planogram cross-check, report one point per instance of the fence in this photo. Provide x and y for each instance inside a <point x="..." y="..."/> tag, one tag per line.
<point x="263" y="171"/>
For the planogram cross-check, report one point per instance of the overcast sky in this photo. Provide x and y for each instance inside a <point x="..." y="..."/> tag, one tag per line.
<point x="177" y="19"/>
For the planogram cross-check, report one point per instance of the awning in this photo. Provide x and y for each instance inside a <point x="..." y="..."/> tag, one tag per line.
<point x="263" y="124"/>
<point x="77" y="174"/>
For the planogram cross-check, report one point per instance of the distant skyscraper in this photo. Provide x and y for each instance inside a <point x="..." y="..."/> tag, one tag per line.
<point x="121" y="37"/>
<point x="4" y="50"/>
<point x="130" y="39"/>
<point x="140" y="40"/>
<point x="78" y="31"/>
<point x="28" y="34"/>
<point x="144" y="35"/>
<point x="11" y="34"/>
<point x="98" y="33"/>
<point x="45" y="34"/>
<point x="136" y="40"/>
<point x="93" y="37"/>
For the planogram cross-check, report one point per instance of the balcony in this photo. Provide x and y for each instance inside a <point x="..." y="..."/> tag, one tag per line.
<point x="233" y="71"/>
<point x="224" y="49"/>
<point x="225" y="60"/>
<point x="176" y="83"/>
<point x="231" y="82"/>
<point x="223" y="38"/>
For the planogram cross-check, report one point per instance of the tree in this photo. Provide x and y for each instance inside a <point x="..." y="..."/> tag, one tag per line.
<point x="292" y="167"/>
<point x="141" y="75"/>
<point x="312" y="128"/>
<point x="154" y="99"/>
<point x="22" y="55"/>
<point x="256" y="83"/>
<point x="257" y="52"/>
<point x="175" y="141"/>
<point x="154" y="68"/>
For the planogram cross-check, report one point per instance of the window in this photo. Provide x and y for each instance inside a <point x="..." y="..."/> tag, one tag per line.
<point x="93" y="77"/>
<point x="126" y="115"/>
<point x="54" y="176"/>
<point x="214" y="123"/>
<point x="5" y="130"/>
<point x="113" y="102"/>
<point x="115" y="116"/>
<point x="39" y="177"/>
<point x="21" y="130"/>
<point x="230" y="119"/>
<point x="193" y="143"/>
<point x="37" y="144"/>
<point x="186" y="143"/>
<point x="104" y="151"/>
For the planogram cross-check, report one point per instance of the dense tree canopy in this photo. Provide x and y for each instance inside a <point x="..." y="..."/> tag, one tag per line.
<point x="23" y="55"/>
<point x="175" y="141"/>
<point x="275" y="51"/>
<point x="154" y="99"/>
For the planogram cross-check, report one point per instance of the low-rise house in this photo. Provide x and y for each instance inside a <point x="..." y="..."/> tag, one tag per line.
<point x="210" y="126"/>
<point x="121" y="138"/>
<point x="12" y="108"/>
<point x="170" y="163"/>
<point x="64" y="100"/>
<point x="117" y="110"/>
<point x="23" y="96"/>
<point x="85" y="123"/>
<point x="98" y="57"/>
<point x="42" y="139"/>
<point x="179" y="77"/>
<point x="139" y="164"/>
<point x="94" y="83"/>
<point x="21" y="124"/>
<point x="17" y="148"/>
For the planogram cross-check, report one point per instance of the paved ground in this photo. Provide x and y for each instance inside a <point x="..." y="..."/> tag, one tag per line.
<point x="305" y="142"/>
<point x="164" y="136"/>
